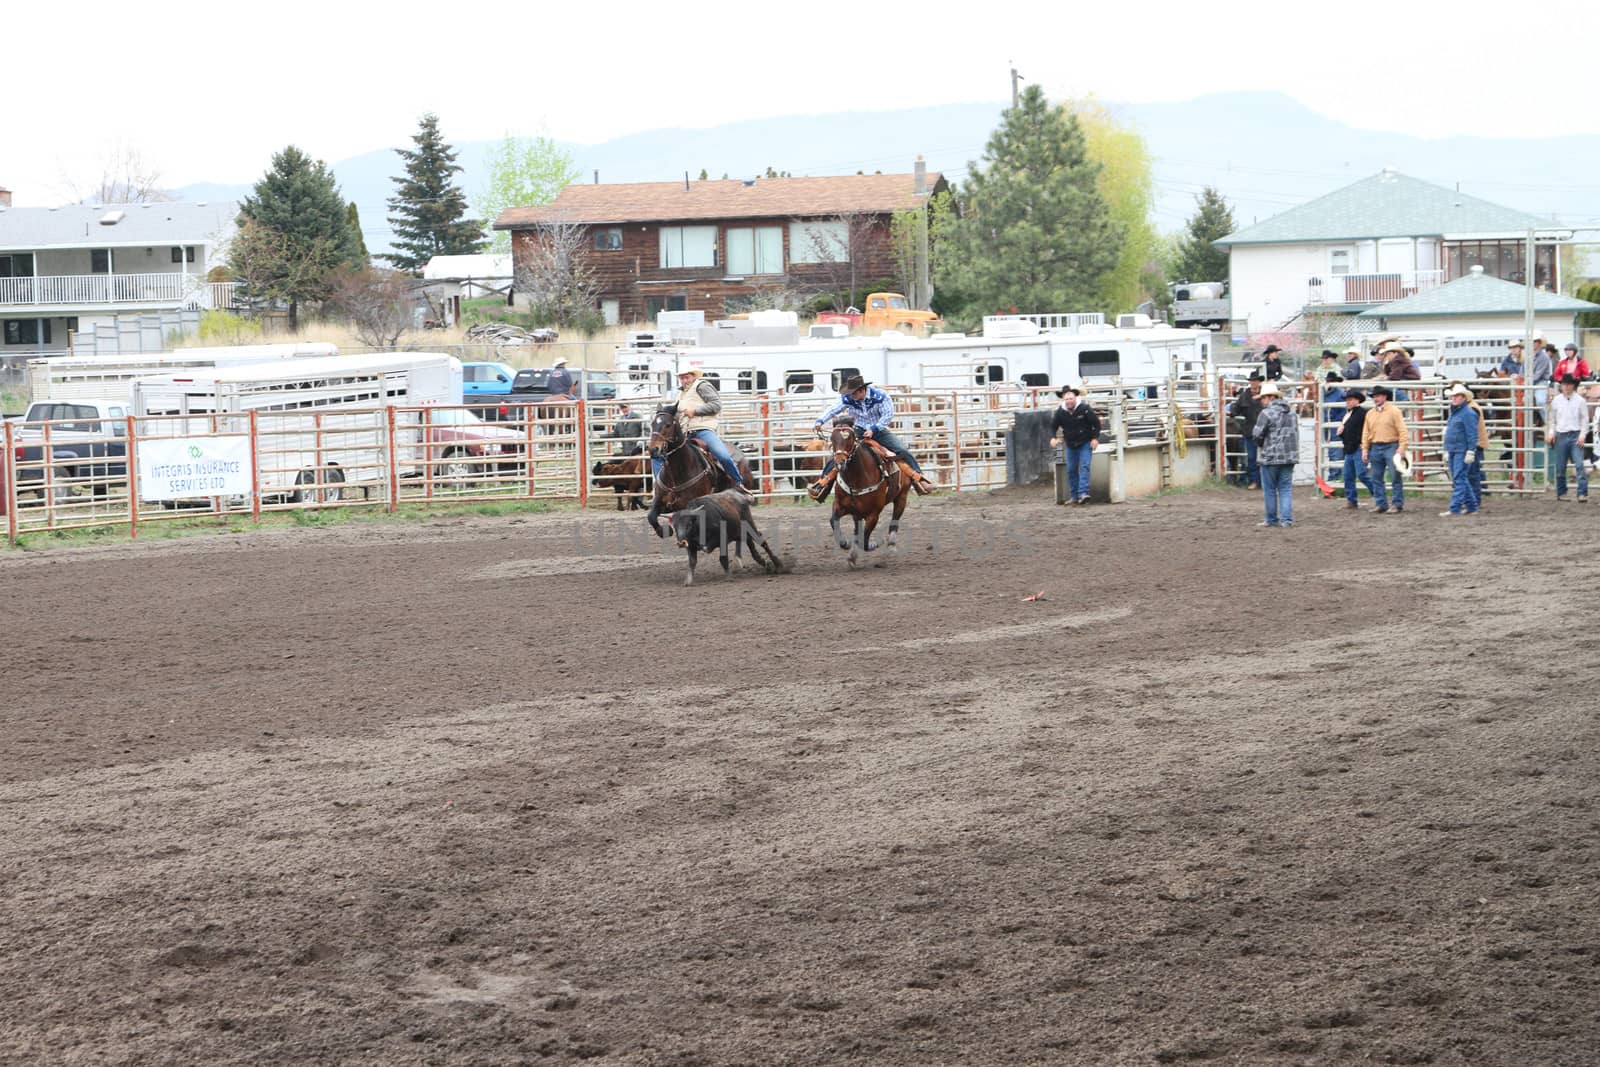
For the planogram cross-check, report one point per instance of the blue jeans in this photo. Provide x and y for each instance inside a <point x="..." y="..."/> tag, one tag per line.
<point x="1252" y="469"/>
<point x="1382" y="456"/>
<point x="1355" y="472"/>
<point x="892" y="443"/>
<point x="1277" y="483"/>
<point x="1569" y="448"/>
<point x="1475" y="475"/>
<point x="719" y="452"/>
<point x="1078" y="458"/>
<point x="1462" y="497"/>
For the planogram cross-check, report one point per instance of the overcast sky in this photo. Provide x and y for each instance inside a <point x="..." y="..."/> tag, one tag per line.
<point x="206" y="92"/>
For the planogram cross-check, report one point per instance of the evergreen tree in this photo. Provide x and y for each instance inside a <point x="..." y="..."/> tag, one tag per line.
<point x="430" y="210"/>
<point x="1198" y="259"/>
<point x="353" y="216"/>
<point x="1033" y="231"/>
<point x="294" y="234"/>
<point x="703" y="174"/>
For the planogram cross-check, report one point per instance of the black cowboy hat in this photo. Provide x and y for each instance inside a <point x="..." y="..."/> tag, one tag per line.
<point x="1255" y="376"/>
<point x="1569" y="379"/>
<point x="1270" y="349"/>
<point x="1328" y="353"/>
<point x="1384" y="391"/>
<point x="854" y="382"/>
<point x="1335" y="377"/>
<point x="1356" y="395"/>
<point x="1065" y="389"/>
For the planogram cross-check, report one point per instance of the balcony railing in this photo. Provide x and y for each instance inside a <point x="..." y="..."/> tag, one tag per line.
<point x="79" y="289"/>
<point x="1371" y="288"/>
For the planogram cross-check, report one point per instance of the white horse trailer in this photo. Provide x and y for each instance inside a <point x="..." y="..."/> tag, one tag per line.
<point x="318" y="421"/>
<point x="1459" y="355"/>
<point x="110" y="378"/>
<point x="1013" y="351"/>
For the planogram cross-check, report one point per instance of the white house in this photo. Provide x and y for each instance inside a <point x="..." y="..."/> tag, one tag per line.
<point x="65" y="269"/>
<point x="1380" y="240"/>
<point x="1480" y="302"/>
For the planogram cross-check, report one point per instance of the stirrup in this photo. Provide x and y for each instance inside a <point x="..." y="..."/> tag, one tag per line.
<point x="819" y="490"/>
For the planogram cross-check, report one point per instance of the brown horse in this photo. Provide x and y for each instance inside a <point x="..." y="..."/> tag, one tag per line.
<point x="868" y="482"/>
<point x="687" y="472"/>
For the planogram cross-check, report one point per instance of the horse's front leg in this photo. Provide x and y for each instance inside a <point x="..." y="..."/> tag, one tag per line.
<point x="871" y="525"/>
<point x="838" y="534"/>
<point x="855" y="543"/>
<point x="894" y="517"/>
<point x="653" y="517"/>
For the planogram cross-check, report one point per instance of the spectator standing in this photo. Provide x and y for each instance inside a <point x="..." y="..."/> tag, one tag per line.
<point x="1329" y="365"/>
<point x="559" y="383"/>
<point x="1571" y="363"/>
<point x="1568" y="414"/>
<point x="1247" y="407"/>
<point x="1077" y="432"/>
<point x="1352" y="369"/>
<point x="1475" y="470"/>
<point x="1384" y="437"/>
<point x="1511" y="365"/>
<point x="1370" y="367"/>
<point x="629" y="429"/>
<point x="1277" y="433"/>
<point x="1399" y="367"/>
<point x="1460" y="451"/>
<point x="1272" y="363"/>
<point x="1355" y="467"/>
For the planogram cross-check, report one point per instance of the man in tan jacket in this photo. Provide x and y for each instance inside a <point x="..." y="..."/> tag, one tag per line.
<point x="1384" y="437"/>
<point x="699" y="404"/>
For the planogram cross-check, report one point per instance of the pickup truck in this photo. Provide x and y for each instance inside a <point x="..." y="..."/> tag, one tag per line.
<point x="486" y="379"/>
<point x="88" y="441"/>
<point x="885" y="311"/>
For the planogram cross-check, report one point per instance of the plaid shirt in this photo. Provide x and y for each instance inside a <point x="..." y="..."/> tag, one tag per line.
<point x="872" y="413"/>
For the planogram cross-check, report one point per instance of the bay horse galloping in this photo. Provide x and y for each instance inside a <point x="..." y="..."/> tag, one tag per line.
<point x="687" y="472"/>
<point x="868" y="482"/>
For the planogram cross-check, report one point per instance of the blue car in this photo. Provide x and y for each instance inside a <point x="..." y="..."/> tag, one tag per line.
<point x="486" y="379"/>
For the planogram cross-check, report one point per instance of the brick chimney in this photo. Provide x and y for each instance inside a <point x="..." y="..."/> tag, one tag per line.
<point x="5" y="198"/>
<point x="921" y="172"/>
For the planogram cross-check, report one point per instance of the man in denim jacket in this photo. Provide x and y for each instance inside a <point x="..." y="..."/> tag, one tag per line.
<point x="1277" y="436"/>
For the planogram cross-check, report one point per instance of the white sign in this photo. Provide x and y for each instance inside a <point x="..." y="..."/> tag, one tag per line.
<point x="175" y="468"/>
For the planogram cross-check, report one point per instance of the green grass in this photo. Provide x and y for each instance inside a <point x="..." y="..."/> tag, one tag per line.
<point x="212" y="525"/>
<point x="12" y="402"/>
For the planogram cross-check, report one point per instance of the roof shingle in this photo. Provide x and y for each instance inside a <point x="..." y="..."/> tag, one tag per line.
<point x="1386" y="205"/>
<point x="723" y="199"/>
<point x="1477" y="294"/>
<point x="78" y="225"/>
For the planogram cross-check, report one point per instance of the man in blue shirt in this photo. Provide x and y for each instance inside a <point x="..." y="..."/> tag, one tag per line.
<point x="872" y="411"/>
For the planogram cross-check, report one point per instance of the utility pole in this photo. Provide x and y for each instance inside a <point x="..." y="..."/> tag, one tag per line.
<point x="1016" y="79"/>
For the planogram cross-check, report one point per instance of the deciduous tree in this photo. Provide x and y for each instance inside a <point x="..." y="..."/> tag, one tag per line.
<point x="430" y="210"/>
<point x="554" y="272"/>
<point x="1126" y="184"/>
<point x="1034" y="231"/>
<point x="378" y="303"/>
<point x="523" y="172"/>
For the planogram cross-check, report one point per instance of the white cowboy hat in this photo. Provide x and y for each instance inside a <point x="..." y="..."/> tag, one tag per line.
<point x="1402" y="463"/>
<point x="1353" y="351"/>
<point x="1271" y="389"/>
<point x="561" y="361"/>
<point x="1461" y="390"/>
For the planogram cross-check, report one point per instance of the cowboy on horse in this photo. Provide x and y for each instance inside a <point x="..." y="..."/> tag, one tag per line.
<point x="872" y="410"/>
<point x="699" y="403"/>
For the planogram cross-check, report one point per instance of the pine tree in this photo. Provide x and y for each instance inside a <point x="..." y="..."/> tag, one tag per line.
<point x="294" y="234"/>
<point x="1199" y="260"/>
<point x="353" y="217"/>
<point x="1034" y="233"/>
<point x="430" y="210"/>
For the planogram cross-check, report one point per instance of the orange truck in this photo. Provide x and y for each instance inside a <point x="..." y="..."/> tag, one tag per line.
<point x="885" y="311"/>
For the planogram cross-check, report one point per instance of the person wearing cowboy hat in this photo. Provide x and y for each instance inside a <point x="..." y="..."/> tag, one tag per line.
<point x="1355" y="468"/>
<point x="559" y="383"/>
<point x="1569" y="413"/>
<point x="1272" y="363"/>
<point x="1511" y="365"/>
<point x="872" y="410"/>
<point x="1352" y="367"/>
<point x="1398" y="365"/>
<point x="1461" y="451"/>
<point x="1277" y="436"/>
<point x="698" y="406"/>
<point x="1076" y="430"/>
<point x="1384" y="436"/>
<point x="1247" y="408"/>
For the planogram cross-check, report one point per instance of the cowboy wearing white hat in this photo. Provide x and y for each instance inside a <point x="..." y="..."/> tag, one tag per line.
<point x="1352" y="367"/>
<point x="1461" y="451"/>
<point x="559" y="382"/>
<point x="1568" y="415"/>
<point x="1277" y="436"/>
<point x="698" y="406"/>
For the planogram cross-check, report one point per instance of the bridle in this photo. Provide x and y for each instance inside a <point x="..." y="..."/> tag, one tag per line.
<point x="843" y="465"/>
<point x="684" y="441"/>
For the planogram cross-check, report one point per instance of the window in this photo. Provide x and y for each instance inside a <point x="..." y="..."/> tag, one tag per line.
<point x="19" y="265"/>
<point x="755" y="251"/>
<point x="1339" y="260"/>
<point x="607" y="240"/>
<point x="818" y="241"/>
<point x="994" y="372"/>
<point x="72" y="324"/>
<point x="24" y="331"/>
<point x="1105" y="363"/>
<point x="877" y="304"/>
<point x="688" y="246"/>
<point x="840" y="374"/>
<point x="797" y="381"/>
<point x="760" y="381"/>
<point x="1036" y="381"/>
<point x="715" y="379"/>
<point x="100" y="261"/>
<point x="183" y="255"/>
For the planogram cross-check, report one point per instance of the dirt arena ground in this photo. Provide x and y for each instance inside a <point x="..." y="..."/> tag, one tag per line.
<point x="501" y="791"/>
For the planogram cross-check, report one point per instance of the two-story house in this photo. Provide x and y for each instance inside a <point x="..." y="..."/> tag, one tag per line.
<point x="711" y="245"/>
<point x="65" y="269"/>
<point x="1381" y="240"/>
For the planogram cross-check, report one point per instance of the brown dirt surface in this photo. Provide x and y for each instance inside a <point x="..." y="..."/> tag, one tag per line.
<point x="502" y="791"/>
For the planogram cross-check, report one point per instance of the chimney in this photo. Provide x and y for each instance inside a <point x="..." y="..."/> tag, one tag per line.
<point x="5" y="198"/>
<point x="921" y="172"/>
<point x="597" y="177"/>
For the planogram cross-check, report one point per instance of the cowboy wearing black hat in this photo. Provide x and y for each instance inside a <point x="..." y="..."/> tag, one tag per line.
<point x="872" y="411"/>
<point x="1076" y="428"/>
<point x="1247" y="408"/>
<point x="1272" y="362"/>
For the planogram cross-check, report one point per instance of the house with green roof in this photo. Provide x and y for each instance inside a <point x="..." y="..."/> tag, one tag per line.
<point x="1382" y="240"/>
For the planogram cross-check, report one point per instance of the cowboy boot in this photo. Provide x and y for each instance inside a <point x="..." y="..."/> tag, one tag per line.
<point x="822" y="486"/>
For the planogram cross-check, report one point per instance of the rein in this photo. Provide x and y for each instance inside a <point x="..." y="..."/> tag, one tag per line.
<point x="686" y="441"/>
<point x="883" y="476"/>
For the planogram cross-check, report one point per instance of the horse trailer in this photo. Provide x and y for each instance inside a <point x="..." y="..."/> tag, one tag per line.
<point x="110" y="378"/>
